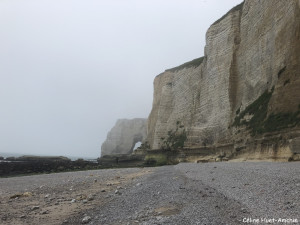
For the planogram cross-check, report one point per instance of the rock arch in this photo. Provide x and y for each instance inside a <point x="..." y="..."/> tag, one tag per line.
<point x="124" y="135"/>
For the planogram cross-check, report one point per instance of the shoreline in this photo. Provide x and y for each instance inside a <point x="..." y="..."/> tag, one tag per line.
<point x="23" y="165"/>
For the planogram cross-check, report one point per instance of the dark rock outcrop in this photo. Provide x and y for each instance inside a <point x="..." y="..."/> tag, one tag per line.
<point x="36" y="164"/>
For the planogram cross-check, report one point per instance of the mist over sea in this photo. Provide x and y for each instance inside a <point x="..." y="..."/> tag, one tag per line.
<point x="11" y="154"/>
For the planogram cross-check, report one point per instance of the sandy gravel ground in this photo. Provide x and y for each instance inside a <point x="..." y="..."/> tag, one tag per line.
<point x="53" y="198"/>
<point x="188" y="193"/>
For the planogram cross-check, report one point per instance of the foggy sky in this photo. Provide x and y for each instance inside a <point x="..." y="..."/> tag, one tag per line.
<point x="70" y="68"/>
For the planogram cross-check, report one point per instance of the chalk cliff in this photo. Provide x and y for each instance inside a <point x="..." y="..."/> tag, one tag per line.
<point x="124" y="135"/>
<point x="246" y="85"/>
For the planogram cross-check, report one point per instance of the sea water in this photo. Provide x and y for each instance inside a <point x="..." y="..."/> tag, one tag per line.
<point x="73" y="158"/>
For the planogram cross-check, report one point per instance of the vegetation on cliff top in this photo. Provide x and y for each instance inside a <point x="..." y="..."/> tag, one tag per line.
<point x="261" y="123"/>
<point x="193" y="63"/>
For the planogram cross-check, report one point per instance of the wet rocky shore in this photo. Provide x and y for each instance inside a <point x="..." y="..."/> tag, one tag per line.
<point x="24" y="165"/>
<point x="27" y="165"/>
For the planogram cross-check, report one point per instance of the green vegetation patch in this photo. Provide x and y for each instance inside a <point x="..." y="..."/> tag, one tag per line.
<point x="280" y="121"/>
<point x="175" y="139"/>
<point x="260" y="122"/>
<point x="156" y="160"/>
<point x="193" y="63"/>
<point x="144" y="146"/>
<point x="258" y="109"/>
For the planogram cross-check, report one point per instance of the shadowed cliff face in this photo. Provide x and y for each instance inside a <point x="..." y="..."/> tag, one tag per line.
<point x="252" y="49"/>
<point x="124" y="135"/>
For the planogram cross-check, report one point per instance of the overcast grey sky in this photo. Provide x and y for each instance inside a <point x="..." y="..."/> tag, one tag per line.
<point x="70" y="68"/>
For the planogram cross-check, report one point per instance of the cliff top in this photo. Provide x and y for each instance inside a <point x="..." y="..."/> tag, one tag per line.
<point x="196" y="62"/>
<point x="236" y="8"/>
<point x="193" y="63"/>
<point x="133" y="119"/>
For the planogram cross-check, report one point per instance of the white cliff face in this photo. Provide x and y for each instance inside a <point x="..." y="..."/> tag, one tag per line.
<point x="270" y="42"/>
<point x="244" y="54"/>
<point x="124" y="135"/>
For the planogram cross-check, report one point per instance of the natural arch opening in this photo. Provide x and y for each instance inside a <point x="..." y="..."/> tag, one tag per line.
<point x="138" y="144"/>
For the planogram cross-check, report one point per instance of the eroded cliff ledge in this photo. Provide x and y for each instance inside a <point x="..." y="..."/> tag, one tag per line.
<point x="246" y="88"/>
<point x="124" y="135"/>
